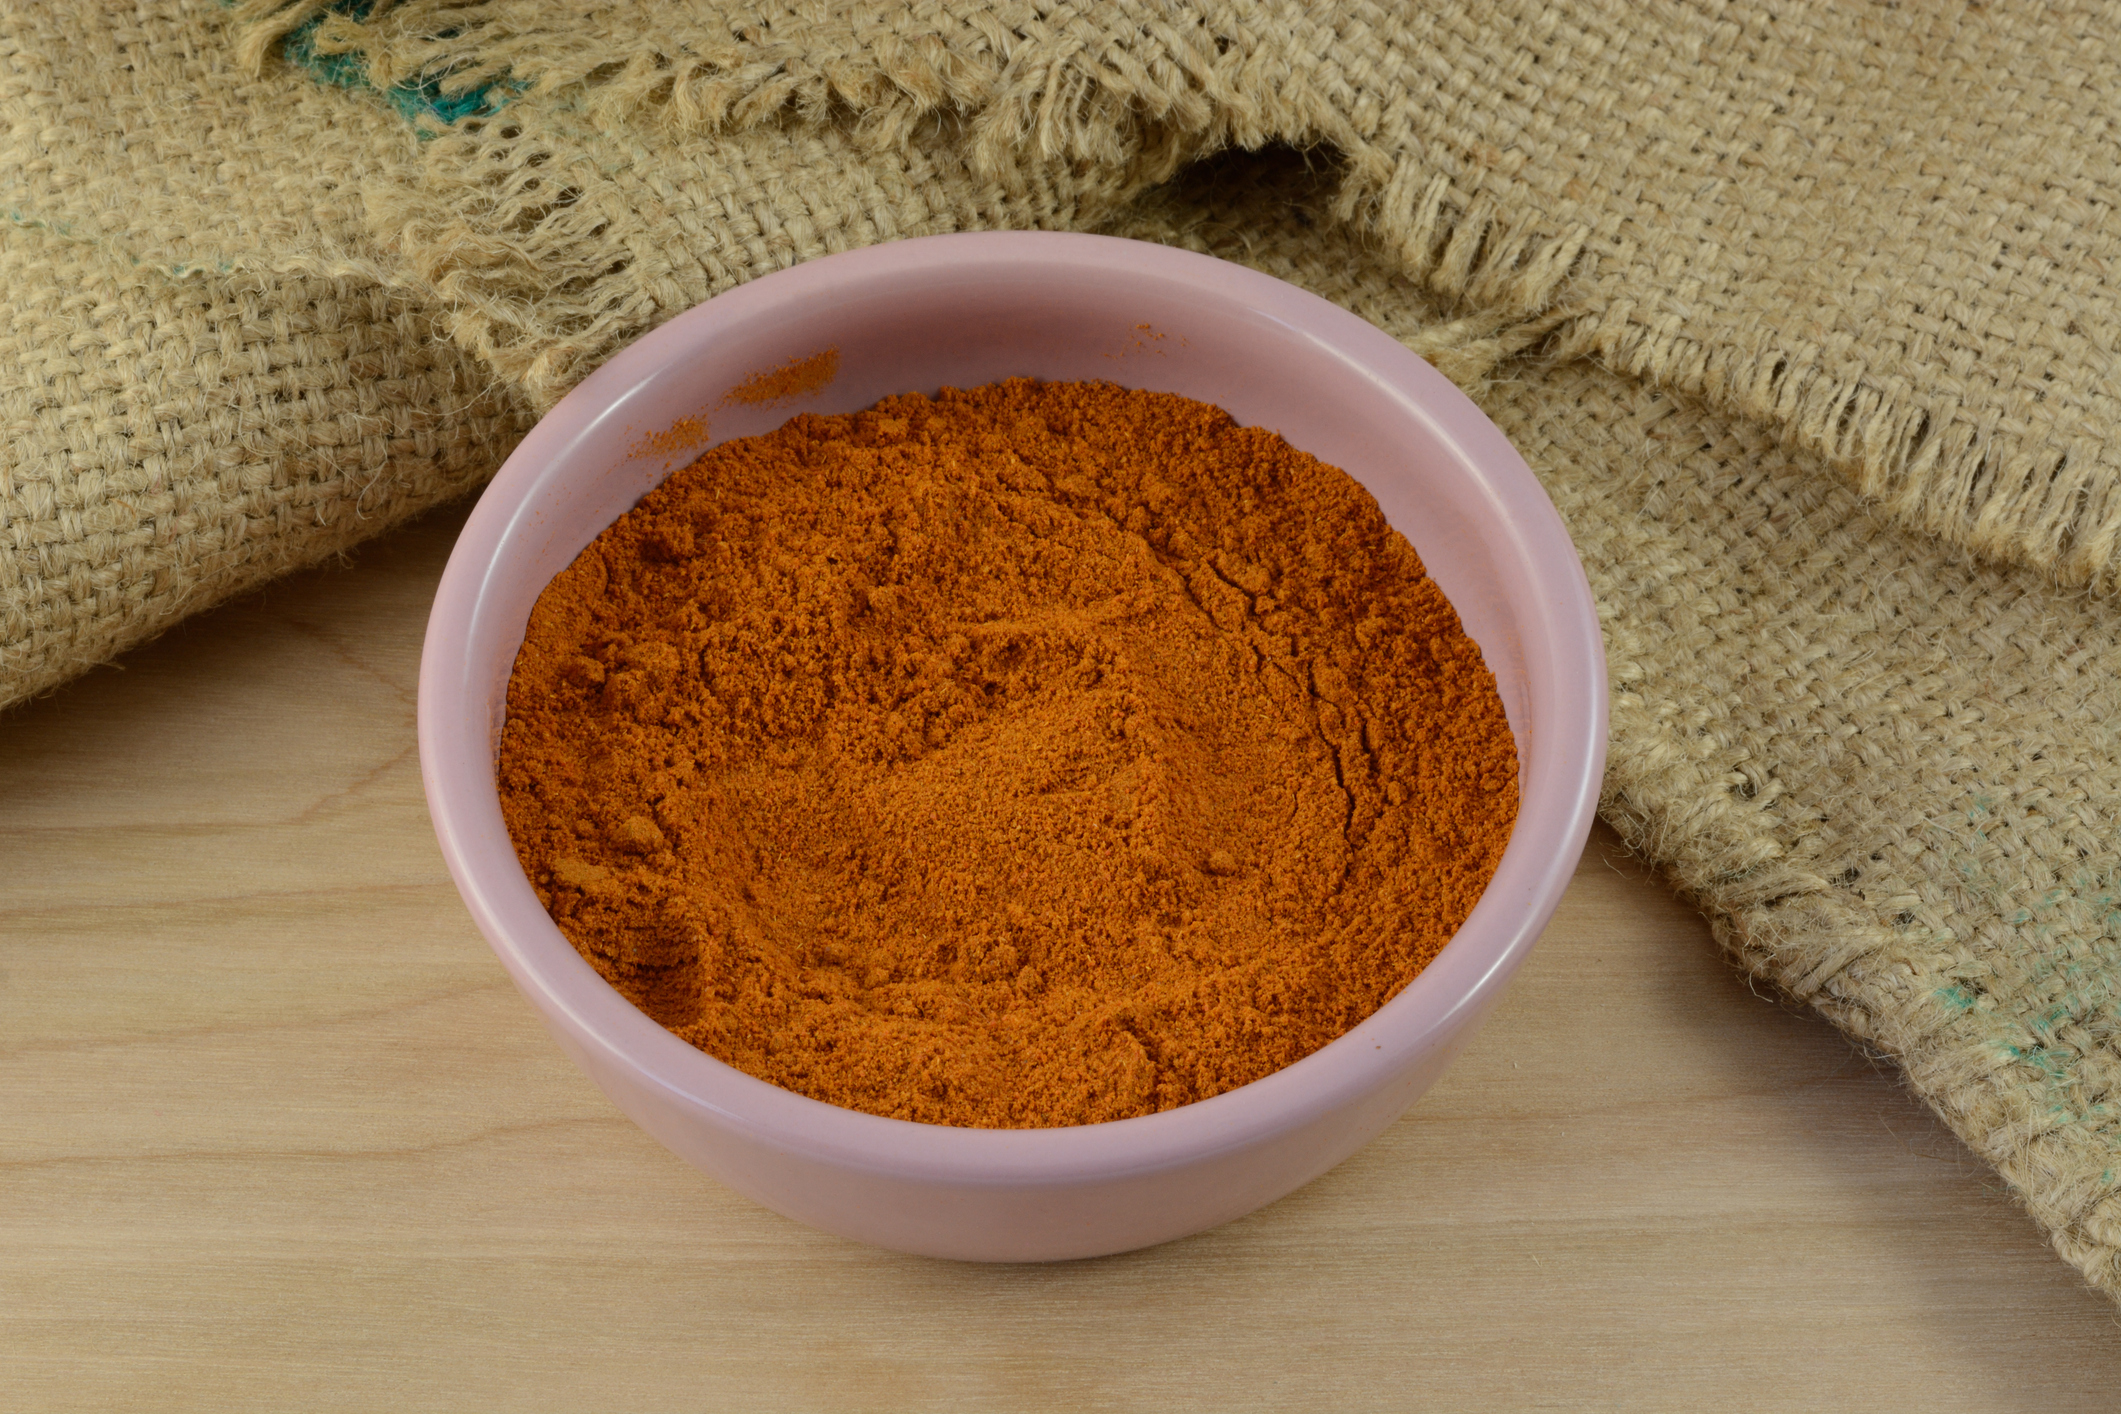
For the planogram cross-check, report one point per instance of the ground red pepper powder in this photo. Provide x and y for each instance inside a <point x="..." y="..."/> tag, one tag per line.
<point x="1032" y="755"/>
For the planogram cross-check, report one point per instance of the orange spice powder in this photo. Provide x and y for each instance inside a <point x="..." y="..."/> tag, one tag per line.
<point x="791" y="380"/>
<point x="680" y="436"/>
<point x="1032" y="755"/>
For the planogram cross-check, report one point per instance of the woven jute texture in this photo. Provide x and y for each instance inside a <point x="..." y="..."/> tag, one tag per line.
<point x="1890" y="774"/>
<point x="204" y="381"/>
<point x="1885" y="232"/>
<point x="1802" y="313"/>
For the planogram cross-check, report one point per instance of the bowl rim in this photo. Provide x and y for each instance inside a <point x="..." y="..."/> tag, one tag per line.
<point x="1537" y="865"/>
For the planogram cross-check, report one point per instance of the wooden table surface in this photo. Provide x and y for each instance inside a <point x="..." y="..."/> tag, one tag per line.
<point x="277" y="1133"/>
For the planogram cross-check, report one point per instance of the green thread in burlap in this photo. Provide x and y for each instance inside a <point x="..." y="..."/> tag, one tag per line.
<point x="1889" y="773"/>
<point x="1804" y="314"/>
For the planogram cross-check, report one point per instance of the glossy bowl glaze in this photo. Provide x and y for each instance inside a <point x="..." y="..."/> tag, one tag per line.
<point x="966" y="310"/>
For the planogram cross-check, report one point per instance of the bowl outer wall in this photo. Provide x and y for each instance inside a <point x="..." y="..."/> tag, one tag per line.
<point x="964" y="310"/>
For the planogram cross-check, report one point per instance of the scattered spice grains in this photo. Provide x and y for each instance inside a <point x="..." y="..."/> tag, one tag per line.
<point x="681" y="436"/>
<point x="793" y="379"/>
<point x="1038" y="754"/>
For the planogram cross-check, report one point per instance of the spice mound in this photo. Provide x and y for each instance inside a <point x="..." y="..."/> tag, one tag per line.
<point x="1036" y="754"/>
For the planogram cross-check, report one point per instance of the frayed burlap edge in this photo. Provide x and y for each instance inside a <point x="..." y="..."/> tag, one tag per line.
<point x="534" y="269"/>
<point x="1672" y="798"/>
<point x="1884" y="942"/>
<point x="1789" y="927"/>
<point x="1032" y="87"/>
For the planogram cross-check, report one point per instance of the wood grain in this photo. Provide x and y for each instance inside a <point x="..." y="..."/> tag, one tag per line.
<point x="275" y="1132"/>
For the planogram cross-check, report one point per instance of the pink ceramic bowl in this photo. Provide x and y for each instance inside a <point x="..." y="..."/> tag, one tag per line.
<point x="965" y="310"/>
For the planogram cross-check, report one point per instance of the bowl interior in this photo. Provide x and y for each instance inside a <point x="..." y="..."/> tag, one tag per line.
<point x="966" y="310"/>
<point x="953" y="326"/>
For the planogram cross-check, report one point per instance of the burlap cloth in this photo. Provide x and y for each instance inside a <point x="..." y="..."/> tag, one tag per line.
<point x="1806" y="316"/>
